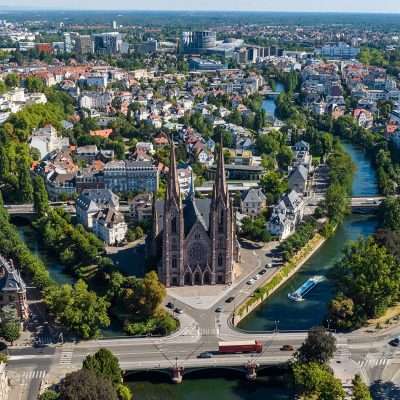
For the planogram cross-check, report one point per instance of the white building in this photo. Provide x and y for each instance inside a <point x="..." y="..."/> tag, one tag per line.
<point x="286" y="215"/>
<point x="110" y="226"/>
<point x="252" y="202"/>
<point x="46" y="140"/>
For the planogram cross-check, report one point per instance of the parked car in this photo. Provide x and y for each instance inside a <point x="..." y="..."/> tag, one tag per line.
<point x="229" y="299"/>
<point x="250" y="282"/>
<point x="178" y="310"/>
<point x="395" y="342"/>
<point x="205" y="354"/>
<point x="263" y="271"/>
<point x="219" y="309"/>
<point x="170" y="305"/>
<point x="287" y="347"/>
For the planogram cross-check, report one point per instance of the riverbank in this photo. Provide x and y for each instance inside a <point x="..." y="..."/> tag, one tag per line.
<point x="282" y="275"/>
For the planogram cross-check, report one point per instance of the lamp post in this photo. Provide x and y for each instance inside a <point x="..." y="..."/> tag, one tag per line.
<point x="276" y="325"/>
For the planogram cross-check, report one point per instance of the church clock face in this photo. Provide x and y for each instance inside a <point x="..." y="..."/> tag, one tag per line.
<point x="197" y="254"/>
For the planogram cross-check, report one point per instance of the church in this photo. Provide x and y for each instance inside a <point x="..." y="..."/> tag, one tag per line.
<point x="194" y="239"/>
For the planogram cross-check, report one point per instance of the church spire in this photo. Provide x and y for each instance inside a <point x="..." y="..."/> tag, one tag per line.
<point x="220" y="186"/>
<point x="173" y="189"/>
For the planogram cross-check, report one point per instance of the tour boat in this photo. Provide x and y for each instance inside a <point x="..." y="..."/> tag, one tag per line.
<point x="305" y="288"/>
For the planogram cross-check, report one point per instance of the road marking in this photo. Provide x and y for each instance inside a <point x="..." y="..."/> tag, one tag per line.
<point x="373" y="363"/>
<point x="34" y="374"/>
<point x="29" y="357"/>
<point x="66" y="356"/>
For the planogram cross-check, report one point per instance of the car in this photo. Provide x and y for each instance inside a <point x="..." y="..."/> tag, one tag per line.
<point x="205" y="354"/>
<point x="219" y="309"/>
<point x="250" y="282"/>
<point x="170" y="305"/>
<point x="178" y="310"/>
<point x="395" y="342"/>
<point x="263" y="271"/>
<point x="229" y="299"/>
<point x="256" y="277"/>
<point x="287" y="347"/>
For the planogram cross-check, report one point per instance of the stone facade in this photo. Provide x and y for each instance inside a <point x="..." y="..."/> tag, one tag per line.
<point x="195" y="239"/>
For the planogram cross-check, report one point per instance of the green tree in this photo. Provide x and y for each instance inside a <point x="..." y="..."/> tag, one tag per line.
<point x="40" y="197"/>
<point x="389" y="214"/>
<point x="314" y="380"/>
<point x="124" y="392"/>
<point x="368" y="275"/>
<point x="105" y="364"/>
<point x="11" y="331"/>
<point x="12" y="80"/>
<point x="360" y="389"/>
<point x="336" y="202"/>
<point x="341" y="312"/>
<point x="273" y="185"/>
<point x="319" y="347"/>
<point x="34" y="84"/>
<point x="87" y="385"/>
<point x="49" y="395"/>
<point x="78" y="309"/>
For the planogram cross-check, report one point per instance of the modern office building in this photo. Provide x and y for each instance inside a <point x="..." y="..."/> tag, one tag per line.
<point x="107" y="43"/>
<point x="198" y="42"/>
<point x="84" y="44"/>
<point x="341" y="51"/>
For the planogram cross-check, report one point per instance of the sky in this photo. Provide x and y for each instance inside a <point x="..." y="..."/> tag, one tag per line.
<point x="224" y="5"/>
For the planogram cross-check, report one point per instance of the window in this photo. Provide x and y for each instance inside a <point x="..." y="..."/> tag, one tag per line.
<point x="173" y="225"/>
<point x="221" y="222"/>
<point x="220" y="260"/>
<point x="174" y="262"/>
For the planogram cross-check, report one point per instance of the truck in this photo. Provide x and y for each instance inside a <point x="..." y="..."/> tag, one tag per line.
<point x="240" y="346"/>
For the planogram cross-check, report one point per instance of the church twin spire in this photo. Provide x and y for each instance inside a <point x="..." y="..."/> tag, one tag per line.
<point x="220" y="188"/>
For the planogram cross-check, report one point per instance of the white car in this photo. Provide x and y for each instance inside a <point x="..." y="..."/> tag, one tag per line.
<point x="251" y="281"/>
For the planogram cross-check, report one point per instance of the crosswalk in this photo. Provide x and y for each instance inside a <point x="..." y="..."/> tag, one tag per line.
<point x="66" y="356"/>
<point x="371" y="363"/>
<point x="44" y="339"/>
<point x="34" y="374"/>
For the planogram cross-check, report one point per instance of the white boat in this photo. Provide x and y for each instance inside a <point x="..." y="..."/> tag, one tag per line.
<point x="305" y="288"/>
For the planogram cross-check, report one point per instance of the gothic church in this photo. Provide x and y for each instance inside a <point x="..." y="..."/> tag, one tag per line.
<point x="195" y="239"/>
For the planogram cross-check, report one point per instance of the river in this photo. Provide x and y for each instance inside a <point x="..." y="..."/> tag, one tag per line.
<point x="269" y="104"/>
<point x="304" y="315"/>
<point x="225" y="385"/>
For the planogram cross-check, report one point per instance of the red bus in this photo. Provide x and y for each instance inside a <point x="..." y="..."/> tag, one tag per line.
<point x="240" y="346"/>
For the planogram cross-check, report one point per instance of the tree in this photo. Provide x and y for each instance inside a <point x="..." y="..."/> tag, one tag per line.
<point x="78" y="309"/>
<point x="34" y="84"/>
<point x="11" y="331"/>
<point x="341" y="312"/>
<point x="105" y="364"/>
<point x="319" y="347"/>
<point x="389" y="213"/>
<point x="87" y="385"/>
<point x="124" y="392"/>
<point x="40" y="197"/>
<point x="49" y="395"/>
<point x="316" y="380"/>
<point x="368" y="275"/>
<point x="273" y="186"/>
<point x="12" y="80"/>
<point x="360" y="389"/>
<point x="336" y="202"/>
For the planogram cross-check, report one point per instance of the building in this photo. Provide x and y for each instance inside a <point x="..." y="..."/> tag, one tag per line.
<point x="185" y="178"/>
<point x="90" y="201"/>
<point x="194" y="239"/>
<point x="46" y="141"/>
<point x="198" y="64"/>
<point x="131" y="176"/>
<point x="68" y="46"/>
<point x="148" y="47"/>
<point x="341" y="51"/>
<point x="84" y="44"/>
<point x="298" y="177"/>
<point x="12" y="289"/>
<point x="4" y="386"/>
<point x="198" y="42"/>
<point x="107" y="43"/>
<point x="252" y="202"/>
<point x="110" y="226"/>
<point x="46" y="48"/>
<point x="141" y="207"/>
<point x="286" y="215"/>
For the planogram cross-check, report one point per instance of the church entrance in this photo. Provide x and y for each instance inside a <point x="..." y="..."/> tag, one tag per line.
<point x="188" y="278"/>
<point x="207" y="278"/>
<point x="197" y="278"/>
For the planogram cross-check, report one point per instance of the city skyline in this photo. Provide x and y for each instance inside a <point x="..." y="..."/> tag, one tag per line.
<point x="367" y="6"/>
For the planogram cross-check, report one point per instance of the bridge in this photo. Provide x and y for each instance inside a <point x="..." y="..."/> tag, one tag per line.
<point x="272" y="94"/>
<point x="365" y="204"/>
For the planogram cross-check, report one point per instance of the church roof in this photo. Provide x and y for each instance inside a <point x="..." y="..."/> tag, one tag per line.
<point x="193" y="210"/>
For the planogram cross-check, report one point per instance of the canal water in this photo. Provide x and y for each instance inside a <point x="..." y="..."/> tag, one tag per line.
<point x="278" y="309"/>
<point x="269" y="104"/>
